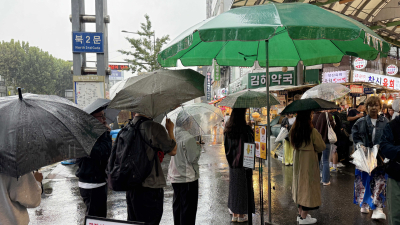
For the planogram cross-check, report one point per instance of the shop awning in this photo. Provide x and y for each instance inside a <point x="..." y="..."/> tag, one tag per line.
<point x="286" y="88"/>
<point x="379" y="88"/>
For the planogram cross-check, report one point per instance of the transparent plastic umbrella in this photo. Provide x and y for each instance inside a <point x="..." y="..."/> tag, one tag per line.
<point x="365" y="158"/>
<point x="327" y="91"/>
<point x="197" y="119"/>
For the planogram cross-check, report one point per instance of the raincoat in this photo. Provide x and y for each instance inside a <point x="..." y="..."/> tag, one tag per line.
<point x="184" y="166"/>
<point x="16" y="196"/>
<point x="306" y="188"/>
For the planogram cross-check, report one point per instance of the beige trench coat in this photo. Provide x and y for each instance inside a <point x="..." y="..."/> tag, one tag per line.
<point x="306" y="188"/>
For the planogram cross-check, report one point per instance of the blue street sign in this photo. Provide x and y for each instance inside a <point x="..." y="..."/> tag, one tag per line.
<point x="87" y="42"/>
<point x="116" y="75"/>
<point x="368" y="91"/>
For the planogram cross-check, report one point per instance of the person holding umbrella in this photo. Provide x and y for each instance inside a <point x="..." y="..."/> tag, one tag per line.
<point x="307" y="143"/>
<point x="370" y="189"/>
<point x="91" y="172"/>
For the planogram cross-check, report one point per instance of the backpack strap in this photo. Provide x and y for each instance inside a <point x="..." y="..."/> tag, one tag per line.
<point x="137" y="128"/>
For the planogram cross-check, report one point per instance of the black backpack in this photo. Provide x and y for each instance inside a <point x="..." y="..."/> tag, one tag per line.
<point x="128" y="165"/>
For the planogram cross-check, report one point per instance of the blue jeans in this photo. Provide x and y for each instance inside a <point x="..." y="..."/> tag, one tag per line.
<point x="324" y="165"/>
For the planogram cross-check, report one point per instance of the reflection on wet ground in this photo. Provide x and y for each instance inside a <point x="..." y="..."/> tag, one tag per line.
<point x="62" y="204"/>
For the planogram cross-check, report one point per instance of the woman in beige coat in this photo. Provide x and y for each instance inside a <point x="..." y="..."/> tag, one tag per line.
<point x="307" y="143"/>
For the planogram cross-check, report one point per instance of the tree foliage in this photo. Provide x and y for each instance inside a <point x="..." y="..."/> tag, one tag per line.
<point x="145" y="51"/>
<point x="33" y="69"/>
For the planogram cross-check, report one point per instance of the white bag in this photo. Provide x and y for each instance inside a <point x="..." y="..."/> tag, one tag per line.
<point x="282" y="134"/>
<point x="331" y="134"/>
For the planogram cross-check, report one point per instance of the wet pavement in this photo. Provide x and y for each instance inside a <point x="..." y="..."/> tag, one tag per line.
<point x="62" y="204"/>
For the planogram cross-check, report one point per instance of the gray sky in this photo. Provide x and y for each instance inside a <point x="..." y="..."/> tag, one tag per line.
<point x="45" y="23"/>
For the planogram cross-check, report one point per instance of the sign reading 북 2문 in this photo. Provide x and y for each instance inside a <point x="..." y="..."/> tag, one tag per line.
<point x="248" y="156"/>
<point x="87" y="42"/>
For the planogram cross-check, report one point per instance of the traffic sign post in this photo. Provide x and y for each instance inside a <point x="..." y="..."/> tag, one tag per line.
<point x="87" y="42"/>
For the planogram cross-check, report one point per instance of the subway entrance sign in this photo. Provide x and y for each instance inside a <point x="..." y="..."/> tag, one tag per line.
<point x="87" y="42"/>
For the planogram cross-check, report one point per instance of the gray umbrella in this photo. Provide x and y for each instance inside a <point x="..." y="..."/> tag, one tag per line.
<point x="102" y="103"/>
<point x="38" y="130"/>
<point x="154" y="93"/>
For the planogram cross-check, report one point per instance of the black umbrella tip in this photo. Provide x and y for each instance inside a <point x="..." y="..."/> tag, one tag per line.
<point x="19" y="93"/>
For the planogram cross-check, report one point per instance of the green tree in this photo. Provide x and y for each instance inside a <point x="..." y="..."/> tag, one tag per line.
<point x="34" y="70"/>
<point x="145" y="51"/>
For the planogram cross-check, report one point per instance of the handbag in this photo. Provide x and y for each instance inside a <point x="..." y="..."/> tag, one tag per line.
<point x="331" y="133"/>
<point x="282" y="134"/>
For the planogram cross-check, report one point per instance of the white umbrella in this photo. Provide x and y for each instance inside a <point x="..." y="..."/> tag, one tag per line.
<point x="326" y="91"/>
<point x="117" y="87"/>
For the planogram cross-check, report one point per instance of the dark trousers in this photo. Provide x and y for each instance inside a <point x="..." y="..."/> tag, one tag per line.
<point x="186" y="196"/>
<point x="145" y="205"/>
<point x="95" y="200"/>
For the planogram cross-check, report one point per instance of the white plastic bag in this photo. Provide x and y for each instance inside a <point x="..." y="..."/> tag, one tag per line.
<point x="331" y="133"/>
<point x="282" y="134"/>
<point x="365" y="158"/>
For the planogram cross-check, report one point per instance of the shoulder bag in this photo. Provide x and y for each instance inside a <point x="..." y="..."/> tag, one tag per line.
<point x="331" y="134"/>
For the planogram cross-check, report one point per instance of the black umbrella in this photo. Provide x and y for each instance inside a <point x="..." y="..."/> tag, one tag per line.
<point x="102" y="103"/>
<point x="39" y="130"/>
<point x="309" y="104"/>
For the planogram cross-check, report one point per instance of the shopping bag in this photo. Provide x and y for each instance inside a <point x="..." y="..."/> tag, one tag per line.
<point x="282" y="134"/>
<point x="365" y="158"/>
<point x="331" y="133"/>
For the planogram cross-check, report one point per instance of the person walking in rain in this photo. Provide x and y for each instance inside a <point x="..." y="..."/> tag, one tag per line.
<point x="16" y="195"/>
<point x="183" y="173"/>
<point x="307" y="143"/>
<point x="370" y="190"/>
<point x="91" y="172"/>
<point x="320" y="122"/>
<point x="145" y="202"/>
<point x="288" y="122"/>
<point x="236" y="134"/>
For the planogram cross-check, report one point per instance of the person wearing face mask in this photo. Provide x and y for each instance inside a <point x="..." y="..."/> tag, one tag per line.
<point x="370" y="190"/>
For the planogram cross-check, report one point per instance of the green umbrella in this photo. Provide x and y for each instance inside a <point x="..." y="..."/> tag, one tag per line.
<point x="273" y="34"/>
<point x="309" y="104"/>
<point x="295" y="31"/>
<point x="248" y="99"/>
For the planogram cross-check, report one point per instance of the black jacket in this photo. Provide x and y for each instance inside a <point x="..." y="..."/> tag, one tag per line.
<point x="234" y="148"/>
<point x="92" y="168"/>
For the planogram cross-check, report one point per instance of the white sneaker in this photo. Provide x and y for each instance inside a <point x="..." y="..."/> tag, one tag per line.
<point x="241" y="220"/>
<point x="298" y="217"/>
<point x="326" y="184"/>
<point x="234" y="219"/>
<point x="307" y="220"/>
<point x="378" y="214"/>
<point x="340" y="165"/>
<point x="365" y="209"/>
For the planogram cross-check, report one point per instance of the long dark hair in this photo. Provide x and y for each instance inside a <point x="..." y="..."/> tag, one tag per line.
<point x="301" y="129"/>
<point x="236" y="123"/>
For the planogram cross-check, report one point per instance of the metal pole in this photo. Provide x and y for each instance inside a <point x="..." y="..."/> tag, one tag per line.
<point x="268" y="133"/>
